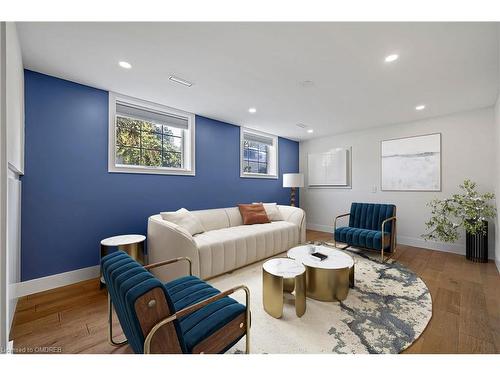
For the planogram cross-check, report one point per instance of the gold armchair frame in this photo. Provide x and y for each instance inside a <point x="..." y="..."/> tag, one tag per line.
<point x="335" y="229"/>
<point x="190" y="309"/>
<point x="186" y="311"/>
<point x="170" y="261"/>
<point x="393" y="237"/>
<point x="393" y="234"/>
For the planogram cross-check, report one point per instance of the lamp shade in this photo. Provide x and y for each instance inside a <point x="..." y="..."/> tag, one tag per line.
<point x="293" y="180"/>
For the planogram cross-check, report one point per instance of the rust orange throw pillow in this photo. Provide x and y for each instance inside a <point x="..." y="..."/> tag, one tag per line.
<point x="253" y="213"/>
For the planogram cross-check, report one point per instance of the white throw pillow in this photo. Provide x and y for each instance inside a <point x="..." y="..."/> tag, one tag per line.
<point x="273" y="212"/>
<point x="184" y="219"/>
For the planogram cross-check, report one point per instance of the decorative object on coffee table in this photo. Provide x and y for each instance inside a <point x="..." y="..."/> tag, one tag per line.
<point x="283" y="275"/>
<point x="293" y="181"/>
<point x="328" y="279"/>
<point x="469" y="210"/>
<point x="132" y="244"/>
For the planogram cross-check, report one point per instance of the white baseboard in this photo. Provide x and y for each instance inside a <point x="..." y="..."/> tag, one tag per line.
<point x="53" y="281"/>
<point x="320" y="227"/>
<point x="10" y="347"/>
<point x="456" y="248"/>
<point x="497" y="262"/>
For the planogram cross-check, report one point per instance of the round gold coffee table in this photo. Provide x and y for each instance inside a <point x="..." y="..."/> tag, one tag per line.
<point x="329" y="279"/>
<point x="283" y="275"/>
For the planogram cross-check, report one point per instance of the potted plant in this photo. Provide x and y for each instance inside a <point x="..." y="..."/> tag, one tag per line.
<point x="469" y="210"/>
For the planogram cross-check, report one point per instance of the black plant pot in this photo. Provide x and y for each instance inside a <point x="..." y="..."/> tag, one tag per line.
<point x="476" y="246"/>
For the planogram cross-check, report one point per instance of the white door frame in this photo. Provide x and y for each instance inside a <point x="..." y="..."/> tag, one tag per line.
<point x="4" y="325"/>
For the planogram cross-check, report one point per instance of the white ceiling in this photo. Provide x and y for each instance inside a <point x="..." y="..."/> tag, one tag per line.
<point x="448" y="66"/>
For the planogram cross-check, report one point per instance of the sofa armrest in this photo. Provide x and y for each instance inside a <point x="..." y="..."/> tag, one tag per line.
<point x="296" y="216"/>
<point x="167" y="240"/>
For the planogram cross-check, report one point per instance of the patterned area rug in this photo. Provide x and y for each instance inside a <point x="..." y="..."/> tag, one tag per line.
<point x="385" y="312"/>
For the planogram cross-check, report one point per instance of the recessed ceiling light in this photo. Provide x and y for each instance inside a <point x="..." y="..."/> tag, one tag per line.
<point x="252" y="110"/>
<point x="125" y="65"/>
<point x="180" y="81"/>
<point x="306" y="84"/>
<point x="310" y="131"/>
<point x="420" y="107"/>
<point x="391" y="58"/>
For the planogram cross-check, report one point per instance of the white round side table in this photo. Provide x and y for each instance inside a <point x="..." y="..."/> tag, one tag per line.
<point x="132" y="244"/>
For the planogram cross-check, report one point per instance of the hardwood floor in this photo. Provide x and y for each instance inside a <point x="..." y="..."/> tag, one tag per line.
<point x="465" y="300"/>
<point x="465" y="296"/>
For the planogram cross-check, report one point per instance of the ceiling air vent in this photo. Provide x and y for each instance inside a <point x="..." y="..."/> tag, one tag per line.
<point x="180" y="81"/>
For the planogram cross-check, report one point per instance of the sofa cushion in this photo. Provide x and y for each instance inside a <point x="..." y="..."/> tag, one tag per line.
<point x="253" y="214"/>
<point x="185" y="292"/>
<point x="234" y="216"/>
<point x="184" y="219"/>
<point x="226" y="249"/>
<point x="370" y="239"/>
<point x="213" y="219"/>
<point x="272" y="211"/>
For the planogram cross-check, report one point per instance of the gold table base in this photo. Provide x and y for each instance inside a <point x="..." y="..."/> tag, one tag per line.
<point x="273" y="288"/>
<point x="329" y="284"/>
<point x="135" y="250"/>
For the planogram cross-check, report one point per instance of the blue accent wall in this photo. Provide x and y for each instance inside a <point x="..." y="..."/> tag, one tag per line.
<point x="69" y="199"/>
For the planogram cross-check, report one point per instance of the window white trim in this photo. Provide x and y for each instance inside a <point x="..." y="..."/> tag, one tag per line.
<point x="273" y="154"/>
<point x="189" y="139"/>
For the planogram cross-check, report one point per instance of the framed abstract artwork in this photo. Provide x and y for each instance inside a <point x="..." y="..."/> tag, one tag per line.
<point x="329" y="169"/>
<point x="411" y="164"/>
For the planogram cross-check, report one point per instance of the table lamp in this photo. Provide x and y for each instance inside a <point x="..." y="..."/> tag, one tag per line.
<point x="293" y="181"/>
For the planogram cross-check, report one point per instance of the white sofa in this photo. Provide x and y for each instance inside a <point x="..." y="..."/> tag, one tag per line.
<point x="226" y="244"/>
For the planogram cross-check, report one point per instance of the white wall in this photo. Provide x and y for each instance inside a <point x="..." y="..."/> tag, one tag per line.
<point x="468" y="151"/>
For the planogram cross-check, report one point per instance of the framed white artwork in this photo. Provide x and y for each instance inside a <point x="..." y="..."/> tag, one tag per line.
<point x="329" y="169"/>
<point x="411" y="163"/>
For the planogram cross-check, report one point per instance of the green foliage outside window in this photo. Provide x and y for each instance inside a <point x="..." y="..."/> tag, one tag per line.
<point x="468" y="210"/>
<point x="144" y="143"/>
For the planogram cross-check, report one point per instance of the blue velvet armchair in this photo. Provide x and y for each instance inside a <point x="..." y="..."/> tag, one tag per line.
<point x="371" y="226"/>
<point x="185" y="315"/>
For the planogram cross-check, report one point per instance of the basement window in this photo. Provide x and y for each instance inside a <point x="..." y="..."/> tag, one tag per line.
<point x="149" y="138"/>
<point x="259" y="154"/>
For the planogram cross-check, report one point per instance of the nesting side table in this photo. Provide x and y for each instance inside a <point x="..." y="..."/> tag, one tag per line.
<point x="329" y="279"/>
<point x="132" y="244"/>
<point x="283" y="275"/>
